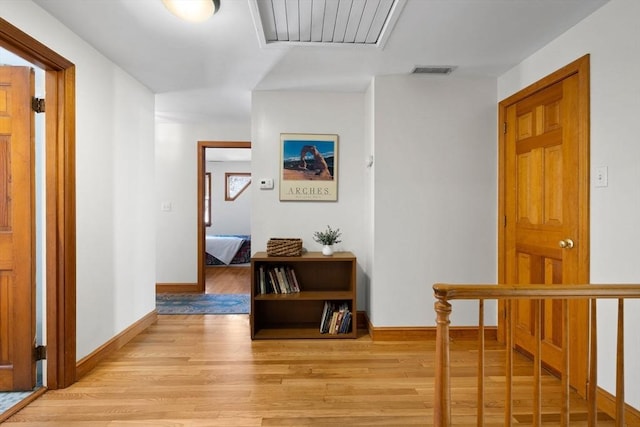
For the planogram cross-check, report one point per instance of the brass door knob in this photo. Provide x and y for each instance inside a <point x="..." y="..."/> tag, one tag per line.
<point x="566" y="244"/>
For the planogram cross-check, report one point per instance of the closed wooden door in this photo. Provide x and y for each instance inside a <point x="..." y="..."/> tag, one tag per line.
<point x="543" y="175"/>
<point x="17" y="284"/>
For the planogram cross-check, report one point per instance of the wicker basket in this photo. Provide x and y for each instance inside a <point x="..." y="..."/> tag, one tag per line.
<point x="284" y="247"/>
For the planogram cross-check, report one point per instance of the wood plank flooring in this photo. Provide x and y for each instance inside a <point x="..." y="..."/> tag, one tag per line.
<point x="227" y="280"/>
<point x="205" y="371"/>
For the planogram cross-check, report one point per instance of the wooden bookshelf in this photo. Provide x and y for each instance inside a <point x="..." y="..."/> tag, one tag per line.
<point x="299" y="314"/>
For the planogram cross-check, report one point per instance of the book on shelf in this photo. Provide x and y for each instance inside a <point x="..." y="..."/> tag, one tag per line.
<point x="336" y="318"/>
<point x="262" y="282"/>
<point x="277" y="280"/>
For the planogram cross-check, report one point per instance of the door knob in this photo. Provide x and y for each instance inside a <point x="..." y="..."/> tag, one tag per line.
<point x="566" y="244"/>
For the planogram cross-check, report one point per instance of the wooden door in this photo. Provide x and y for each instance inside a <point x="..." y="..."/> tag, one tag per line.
<point x="546" y="235"/>
<point x="17" y="284"/>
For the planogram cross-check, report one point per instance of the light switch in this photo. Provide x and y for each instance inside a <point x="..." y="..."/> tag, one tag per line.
<point x="602" y="177"/>
<point x="165" y="206"/>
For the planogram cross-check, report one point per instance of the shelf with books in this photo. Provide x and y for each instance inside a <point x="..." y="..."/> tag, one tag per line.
<point x="305" y="295"/>
<point x="297" y="310"/>
<point x="336" y="318"/>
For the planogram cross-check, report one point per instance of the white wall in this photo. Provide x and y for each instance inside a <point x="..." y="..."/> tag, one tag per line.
<point x="429" y="202"/>
<point x="233" y="216"/>
<point x="114" y="181"/>
<point x="611" y="36"/>
<point x="369" y="192"/>
<point x="435" y="195"/>
<point x="310" y="112"/>
<point x="177" y="183"/>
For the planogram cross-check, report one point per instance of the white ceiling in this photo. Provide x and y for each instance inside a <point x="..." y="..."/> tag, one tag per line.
<point x="327" y="21"/>
<point x="207" y="71"/>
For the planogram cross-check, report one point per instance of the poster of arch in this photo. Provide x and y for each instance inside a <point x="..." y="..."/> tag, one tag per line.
<point x="309" y="167"/>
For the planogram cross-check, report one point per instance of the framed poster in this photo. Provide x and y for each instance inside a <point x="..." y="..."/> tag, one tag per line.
<point x="308" y="167"/>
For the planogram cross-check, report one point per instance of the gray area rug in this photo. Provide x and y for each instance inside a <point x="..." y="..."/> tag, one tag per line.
<point x="12" y="398"/>
<point x="203" y="303"/>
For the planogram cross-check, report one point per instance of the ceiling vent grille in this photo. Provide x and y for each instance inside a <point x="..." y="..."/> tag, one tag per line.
<point x="312" y="22"/>
<point x="442" y="70"/>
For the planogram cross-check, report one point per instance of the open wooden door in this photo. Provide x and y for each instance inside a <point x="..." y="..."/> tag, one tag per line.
<point x="17" y="230"/>
<point x="60" y="200"/>
<point x="545" y="205"/>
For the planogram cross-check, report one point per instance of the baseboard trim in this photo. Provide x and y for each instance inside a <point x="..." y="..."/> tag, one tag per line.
<point x="419" y="333"/>
<point x="607" y="403"/>
<point x="87" y="363"/>
<point x="428" y="333"/>
<point x="176" y="288"/>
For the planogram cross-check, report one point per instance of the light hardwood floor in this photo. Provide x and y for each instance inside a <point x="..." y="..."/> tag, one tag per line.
<point x="227" y="280"/>
<point x="205" y="371"/>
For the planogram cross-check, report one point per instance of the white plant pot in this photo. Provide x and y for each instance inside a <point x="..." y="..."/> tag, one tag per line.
<point x="327" y="250"/>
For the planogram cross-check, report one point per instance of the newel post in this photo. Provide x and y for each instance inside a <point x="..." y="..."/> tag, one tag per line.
<point x="442" y="397"/>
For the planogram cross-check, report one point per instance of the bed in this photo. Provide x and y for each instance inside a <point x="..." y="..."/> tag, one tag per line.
<point x="228" y="249"/>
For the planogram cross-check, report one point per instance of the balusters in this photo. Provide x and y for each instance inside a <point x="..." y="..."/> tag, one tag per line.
<point x="592" y="405"/>
<point x="442" y="398"/>
<point x="480" y="387"/>
<point x="508" y="394"/>
<point x="537" y="364"/>
<point x="620" y="366"/>
<point x="510" y="294"/>
<point x="564" y="380"/>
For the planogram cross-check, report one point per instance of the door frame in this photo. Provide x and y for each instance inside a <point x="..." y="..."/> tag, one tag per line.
<point x="581" y="68"/>
<point x="202" y="149"/>
<point x="60" y="201"/>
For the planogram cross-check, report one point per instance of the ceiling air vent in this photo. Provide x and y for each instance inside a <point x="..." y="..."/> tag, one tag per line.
<point x="327" y="22"/>
<point x="433" y="70"/>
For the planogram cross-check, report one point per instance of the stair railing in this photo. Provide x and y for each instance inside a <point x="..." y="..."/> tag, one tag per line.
<point x="510" y="293"/>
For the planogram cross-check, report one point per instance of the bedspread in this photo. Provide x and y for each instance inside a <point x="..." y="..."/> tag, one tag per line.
<point x="242" y="255"/>
<point x="223" y="247"/>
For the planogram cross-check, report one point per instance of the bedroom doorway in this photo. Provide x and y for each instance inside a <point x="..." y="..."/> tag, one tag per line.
<point x="224" y="234"/>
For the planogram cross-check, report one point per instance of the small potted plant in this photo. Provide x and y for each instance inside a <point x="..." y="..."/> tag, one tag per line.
<point x="327" y="238"/>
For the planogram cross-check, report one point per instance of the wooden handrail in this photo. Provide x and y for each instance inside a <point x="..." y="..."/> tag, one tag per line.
<point x="484" y="291"/>
<point x="509" y="292"/>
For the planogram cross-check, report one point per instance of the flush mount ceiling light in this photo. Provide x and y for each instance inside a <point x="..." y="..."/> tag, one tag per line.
<point x="192" y="10"/>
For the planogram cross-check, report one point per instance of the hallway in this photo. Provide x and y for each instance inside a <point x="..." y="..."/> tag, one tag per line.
<point x="205" y="371"/>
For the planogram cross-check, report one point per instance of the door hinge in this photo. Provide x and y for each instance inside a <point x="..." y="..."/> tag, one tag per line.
<point x="40" y="352"/>
<point x="504" y="128"/>
<point x="37" y="105"/>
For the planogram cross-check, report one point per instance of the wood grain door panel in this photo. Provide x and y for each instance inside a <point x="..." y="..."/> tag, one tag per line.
<point x="541" y="173"/>
<point x="17" y="284"/>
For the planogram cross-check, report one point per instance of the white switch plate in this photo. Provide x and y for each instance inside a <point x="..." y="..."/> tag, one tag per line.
<point x="602" y="177"/>
<point x="266" y="184"/>
<point x="165" y="206"/>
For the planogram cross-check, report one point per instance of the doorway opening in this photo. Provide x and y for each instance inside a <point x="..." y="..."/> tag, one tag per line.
<point x="58" y="235"/>
<point x="224" y="217"/>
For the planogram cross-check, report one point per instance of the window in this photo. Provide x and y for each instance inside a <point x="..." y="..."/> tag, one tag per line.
<point x="207" y="199"/>
<point x="235" y="184"/>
